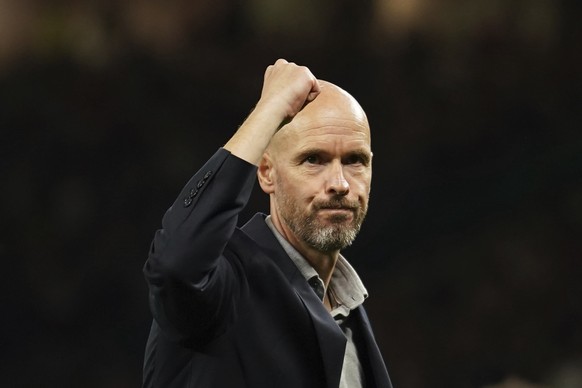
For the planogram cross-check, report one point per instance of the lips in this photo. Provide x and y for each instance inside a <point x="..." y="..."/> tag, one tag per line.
<point x="336" y="206"/>
<point x="336" y="209"/>
<point x="337" y="213"/>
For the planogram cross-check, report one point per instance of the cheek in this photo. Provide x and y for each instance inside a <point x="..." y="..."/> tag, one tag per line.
<point x="290" y="187"/>
<point x="361" y="184"/>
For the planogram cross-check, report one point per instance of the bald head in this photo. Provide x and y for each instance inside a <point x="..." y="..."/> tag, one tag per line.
<point x="333" y="106"/>
<point x="317" y="171"/>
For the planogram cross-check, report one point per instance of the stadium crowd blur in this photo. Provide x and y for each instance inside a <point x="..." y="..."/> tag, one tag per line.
<point x="472" y="248"/>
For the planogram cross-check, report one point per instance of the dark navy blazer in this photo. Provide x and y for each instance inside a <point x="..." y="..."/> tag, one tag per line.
<point x="230" y="308"/>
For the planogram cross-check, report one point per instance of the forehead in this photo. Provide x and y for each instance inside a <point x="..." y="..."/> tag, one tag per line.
<point x="329" y="136"/>
<point x="329" y="133"/>
<point x="335" y="122"/>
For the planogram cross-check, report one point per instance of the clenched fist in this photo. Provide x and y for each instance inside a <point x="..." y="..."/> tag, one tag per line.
<point x="287" y="87"/>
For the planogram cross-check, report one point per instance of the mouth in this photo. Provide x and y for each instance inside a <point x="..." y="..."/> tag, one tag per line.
<point x="337" y="214"/>
<point x="352" y="207"/>
<point x="336" y="210"/>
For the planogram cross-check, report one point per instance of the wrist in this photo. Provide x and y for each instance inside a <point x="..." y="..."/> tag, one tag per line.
<point x="270" y="111"/>
<point x="253" y="136"/>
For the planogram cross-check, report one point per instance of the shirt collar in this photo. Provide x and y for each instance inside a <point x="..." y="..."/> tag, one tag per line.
<point x="346" y="286"/>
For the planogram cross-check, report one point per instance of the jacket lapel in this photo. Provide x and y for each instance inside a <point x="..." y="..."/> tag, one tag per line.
<point x="332" y="341"/>
<point x="377" y="368"/>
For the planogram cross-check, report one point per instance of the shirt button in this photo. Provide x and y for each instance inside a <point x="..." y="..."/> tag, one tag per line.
<point x="187" y="201"/>
<point x="317" y="287"/>
<point x="193" y="192"/>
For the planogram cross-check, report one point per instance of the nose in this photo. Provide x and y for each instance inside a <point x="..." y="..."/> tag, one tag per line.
<point x="337" y="183"/>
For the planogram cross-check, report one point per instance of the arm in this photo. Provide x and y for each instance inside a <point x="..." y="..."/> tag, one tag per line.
<point x="286" y="89"/>
<point x="193" y="286"/>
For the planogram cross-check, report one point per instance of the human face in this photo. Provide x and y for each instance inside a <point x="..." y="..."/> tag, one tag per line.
<point x="322" y="177"/>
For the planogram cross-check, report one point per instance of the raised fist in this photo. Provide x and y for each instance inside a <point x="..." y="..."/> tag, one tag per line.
<point x="287" y="87"/>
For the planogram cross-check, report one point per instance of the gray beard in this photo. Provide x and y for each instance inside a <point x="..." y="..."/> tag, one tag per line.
<point x="323" y="238"/>
<point x="329" y="238"/>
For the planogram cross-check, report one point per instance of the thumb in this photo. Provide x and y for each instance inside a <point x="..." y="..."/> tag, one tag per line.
<point x="315" y="90"/>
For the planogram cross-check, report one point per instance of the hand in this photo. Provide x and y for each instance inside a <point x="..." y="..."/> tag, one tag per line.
<point x="287" y="87"/>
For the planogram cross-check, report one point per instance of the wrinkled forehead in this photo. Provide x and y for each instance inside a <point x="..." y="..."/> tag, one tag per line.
<point x="334" y="113"/>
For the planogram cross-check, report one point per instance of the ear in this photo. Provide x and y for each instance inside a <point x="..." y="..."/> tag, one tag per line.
<point x="266" y="174"/>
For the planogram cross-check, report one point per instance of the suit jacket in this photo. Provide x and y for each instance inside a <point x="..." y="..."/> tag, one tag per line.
<point x="230" y="308"/>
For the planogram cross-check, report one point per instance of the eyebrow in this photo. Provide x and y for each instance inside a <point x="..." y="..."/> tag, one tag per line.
<point x="365" y="155"/>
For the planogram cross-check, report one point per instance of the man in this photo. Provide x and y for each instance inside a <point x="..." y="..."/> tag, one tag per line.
<point x="272" y="304"/>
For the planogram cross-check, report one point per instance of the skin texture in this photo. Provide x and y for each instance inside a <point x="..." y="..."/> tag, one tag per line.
<point x="311" y="142"/>
<point x="317" y="172"/>
<point x="287" y="87"/>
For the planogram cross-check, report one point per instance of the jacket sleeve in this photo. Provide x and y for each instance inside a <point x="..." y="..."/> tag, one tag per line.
<point x="193" y="287"/>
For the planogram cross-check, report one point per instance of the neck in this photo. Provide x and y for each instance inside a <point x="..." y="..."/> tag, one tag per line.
<point x="322" y="262"/>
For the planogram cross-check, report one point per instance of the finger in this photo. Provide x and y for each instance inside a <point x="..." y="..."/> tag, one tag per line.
<point x="268" y="72"/>
<point x="311" y="96"/>
<point x="315" y="90"/>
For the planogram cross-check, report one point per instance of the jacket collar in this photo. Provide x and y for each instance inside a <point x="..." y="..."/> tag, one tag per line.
<point x="332" y="341"/>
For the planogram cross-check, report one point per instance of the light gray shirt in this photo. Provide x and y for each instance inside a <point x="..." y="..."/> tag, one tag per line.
<point x="346" y="292"/>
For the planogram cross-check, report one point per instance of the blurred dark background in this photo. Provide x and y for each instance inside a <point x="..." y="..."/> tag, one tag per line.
<point x="472" y="247"/>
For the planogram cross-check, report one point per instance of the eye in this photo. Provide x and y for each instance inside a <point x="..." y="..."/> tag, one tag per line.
<point x="312" y="159"/>
<point x="356" y="159"/>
